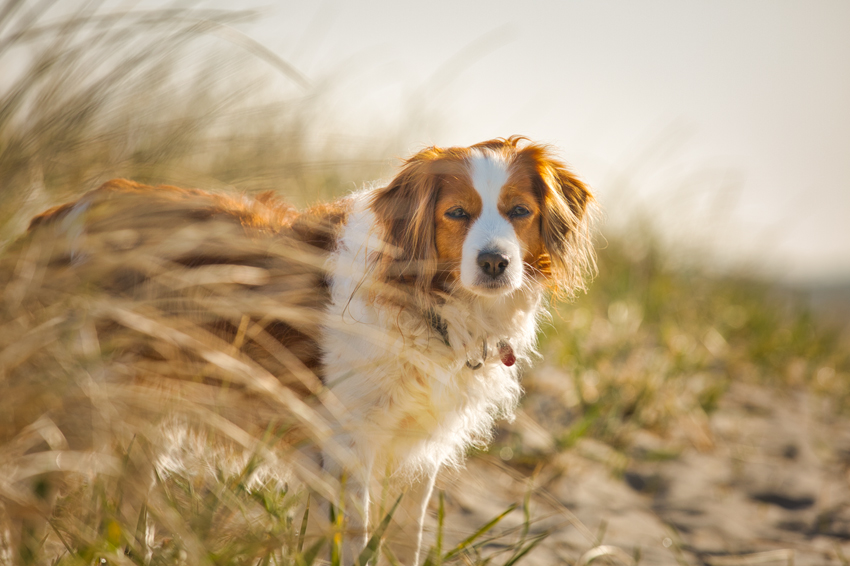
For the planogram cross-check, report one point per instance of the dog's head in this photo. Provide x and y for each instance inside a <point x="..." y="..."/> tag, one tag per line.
<point x="489" y="219"/>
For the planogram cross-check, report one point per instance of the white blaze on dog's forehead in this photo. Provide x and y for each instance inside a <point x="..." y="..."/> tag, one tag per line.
<point x="491" y="232"/>
<point x="489" y="173"/>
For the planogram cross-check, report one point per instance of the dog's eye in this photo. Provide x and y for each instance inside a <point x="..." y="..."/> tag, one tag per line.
<point x="457" y="213"/>
<point x="519" y="211"/>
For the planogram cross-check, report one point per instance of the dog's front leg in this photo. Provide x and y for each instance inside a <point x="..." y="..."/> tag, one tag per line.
<point x="405" y="537"/>
<point x="357" y="502"/>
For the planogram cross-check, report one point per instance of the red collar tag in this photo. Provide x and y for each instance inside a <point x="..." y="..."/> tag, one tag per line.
<point x="506" y="353"/>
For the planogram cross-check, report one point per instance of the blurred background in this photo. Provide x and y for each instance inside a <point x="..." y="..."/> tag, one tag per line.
<point x="692" y="407"/>
<point x="726" y="123"/>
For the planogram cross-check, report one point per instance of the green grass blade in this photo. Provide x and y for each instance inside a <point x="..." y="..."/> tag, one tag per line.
<point x="303" y="531"/>
<point x="526" y="516"/>
<point x="525" y="550"/>
<point x="336" y="541"/>
<point x="441" y="519"/>
<point x="375" y="540"/>
<point x="141" y="530"/>
<point x="309" y="557"/>
<point x="472" y="538"/>
<point x="388" y="554"/>
<point x="435" y="555"/>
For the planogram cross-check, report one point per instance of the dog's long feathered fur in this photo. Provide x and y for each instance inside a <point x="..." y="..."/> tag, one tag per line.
<point x="352" y="326"/>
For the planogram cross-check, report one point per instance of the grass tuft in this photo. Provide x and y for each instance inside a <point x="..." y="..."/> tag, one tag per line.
<point x="654" y="348"/>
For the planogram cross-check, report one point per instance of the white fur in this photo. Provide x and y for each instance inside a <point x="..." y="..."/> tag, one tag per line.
<point x="412" y="402"/>
<point x="491" y="231"/>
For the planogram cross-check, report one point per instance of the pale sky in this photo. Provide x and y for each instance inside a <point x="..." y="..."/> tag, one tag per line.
<point x="727" y="122"/>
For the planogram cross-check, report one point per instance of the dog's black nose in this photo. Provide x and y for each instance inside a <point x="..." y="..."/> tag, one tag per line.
<point x="493" y="264"/>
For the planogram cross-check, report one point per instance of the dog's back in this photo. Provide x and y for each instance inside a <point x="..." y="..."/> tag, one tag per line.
<point x="134" y="304"/>
<point x="189" y="285"/>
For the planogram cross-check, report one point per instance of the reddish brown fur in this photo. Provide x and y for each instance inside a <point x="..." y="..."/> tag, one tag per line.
<point x="564" y="201"/>
<point x="519" y="191"/>
<point x="406" y="210"/>
<point x="155" y="215"/>
<point x="455" y="191"/>
<point x="319" y="225"/>
<point x="265" y="213"/>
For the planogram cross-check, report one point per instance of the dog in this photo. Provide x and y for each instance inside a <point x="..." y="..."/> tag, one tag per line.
<point x="390" y="327"/>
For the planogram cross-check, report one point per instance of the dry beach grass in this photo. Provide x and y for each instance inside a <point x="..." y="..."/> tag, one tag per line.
<point x="677" y="417"/>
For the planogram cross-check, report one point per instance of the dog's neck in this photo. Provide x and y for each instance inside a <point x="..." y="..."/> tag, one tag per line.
<point x="487" y="327"/>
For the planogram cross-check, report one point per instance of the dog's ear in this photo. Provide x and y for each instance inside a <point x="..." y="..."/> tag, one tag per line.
<point x="566" y="205"/>
<point x="404" y="209"/>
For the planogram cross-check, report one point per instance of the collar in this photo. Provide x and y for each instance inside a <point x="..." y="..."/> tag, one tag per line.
<point x="441" y="327"/>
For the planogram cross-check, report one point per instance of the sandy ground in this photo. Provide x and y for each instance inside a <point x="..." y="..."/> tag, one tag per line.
<point x="770" y="486"/>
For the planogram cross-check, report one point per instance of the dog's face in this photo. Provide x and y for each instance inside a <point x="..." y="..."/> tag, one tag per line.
<point x="488" y="218"/>
<point x="488" y="224"/>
